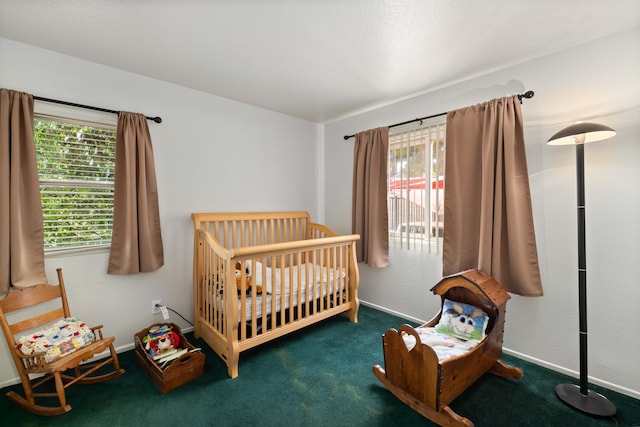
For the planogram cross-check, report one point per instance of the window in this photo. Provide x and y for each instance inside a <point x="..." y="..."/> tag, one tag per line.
<point x="76" y="166"/>
<point x="416" y="186"/>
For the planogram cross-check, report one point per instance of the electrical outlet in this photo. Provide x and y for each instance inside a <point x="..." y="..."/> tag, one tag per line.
<point x="154" y="303"/>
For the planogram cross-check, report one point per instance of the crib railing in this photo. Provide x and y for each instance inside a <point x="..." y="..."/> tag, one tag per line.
<point x="298" y="279"/>
<point x="240" y="229"/>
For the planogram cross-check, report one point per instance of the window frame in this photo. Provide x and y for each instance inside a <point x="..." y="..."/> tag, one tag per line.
<point x="400" y="221"/>
<point x="75" y="115"/>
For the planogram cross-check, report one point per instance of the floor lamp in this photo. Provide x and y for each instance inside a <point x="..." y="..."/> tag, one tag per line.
<point x="580" y="397"/>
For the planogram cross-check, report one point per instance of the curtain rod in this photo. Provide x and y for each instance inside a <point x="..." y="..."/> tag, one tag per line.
<point x="528" y="94"/>
<point x="89" y="107"/>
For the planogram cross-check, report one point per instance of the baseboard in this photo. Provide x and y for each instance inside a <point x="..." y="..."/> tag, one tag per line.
<point x="556" y="368"/>
<point x="574" y="374"/>
<point x="395" y="313"/>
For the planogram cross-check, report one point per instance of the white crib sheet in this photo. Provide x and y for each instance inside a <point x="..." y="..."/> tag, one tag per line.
<point x="324" y="283"/>
<point x="308" y="272"/>
<point x="280" y="301"/>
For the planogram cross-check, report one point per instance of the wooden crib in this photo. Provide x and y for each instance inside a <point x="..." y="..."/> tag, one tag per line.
<point x="425" y="383"/>
<point x="260" y="275"/>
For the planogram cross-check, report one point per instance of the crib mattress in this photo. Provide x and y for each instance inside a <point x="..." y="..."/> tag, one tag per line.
<point x="445" y="346"/>
<point x="277" y="279"/>
<point x="265" y="301"/>
<point x="325" y="282"/>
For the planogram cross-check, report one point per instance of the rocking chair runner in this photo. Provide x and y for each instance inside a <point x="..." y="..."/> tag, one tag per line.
<point x="65" y="370"/>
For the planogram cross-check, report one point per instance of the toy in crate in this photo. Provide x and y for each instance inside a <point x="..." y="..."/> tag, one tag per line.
<point x="162" y="343"/>
<point x="167" y="357"/>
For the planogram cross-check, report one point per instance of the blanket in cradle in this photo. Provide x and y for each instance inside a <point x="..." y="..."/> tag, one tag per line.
<point x="445" y="346"/>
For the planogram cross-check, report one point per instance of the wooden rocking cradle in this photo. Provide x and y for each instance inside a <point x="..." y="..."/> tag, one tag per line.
<point x="428" y="385"/>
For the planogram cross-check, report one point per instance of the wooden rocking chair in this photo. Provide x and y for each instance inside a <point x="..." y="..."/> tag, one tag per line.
<point x="65" y="365"/>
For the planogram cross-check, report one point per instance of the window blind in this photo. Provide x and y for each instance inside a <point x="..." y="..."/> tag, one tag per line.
<point x="416" y="186"/>
<point x="76" y="166"/>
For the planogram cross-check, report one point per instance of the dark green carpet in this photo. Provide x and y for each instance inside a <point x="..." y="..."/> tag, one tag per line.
<point x="320" y="376"/>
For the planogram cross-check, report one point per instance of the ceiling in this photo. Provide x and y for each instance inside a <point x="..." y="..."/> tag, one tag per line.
<point x="319" y="60"/>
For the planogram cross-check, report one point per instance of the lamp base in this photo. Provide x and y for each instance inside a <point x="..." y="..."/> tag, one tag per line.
<point x="592" y="403"/>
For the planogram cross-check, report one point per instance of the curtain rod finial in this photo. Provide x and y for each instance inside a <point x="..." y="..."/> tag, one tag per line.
<point x="528" y="94"/>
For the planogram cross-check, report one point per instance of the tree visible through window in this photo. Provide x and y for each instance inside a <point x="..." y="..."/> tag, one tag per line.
<point x="416" y="186"/>
<point x="76" y="166"/>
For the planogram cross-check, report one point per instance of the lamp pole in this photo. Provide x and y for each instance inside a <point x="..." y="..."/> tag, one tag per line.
<point x="581" y="398"/>
<point x="582" y="265"/>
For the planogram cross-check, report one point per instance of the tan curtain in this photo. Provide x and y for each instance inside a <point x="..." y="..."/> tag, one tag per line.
<point x="136" y="243"/>
<point x="488" y="222"/>
<point x="369" y="205"/>
<point x="21" y="229"/>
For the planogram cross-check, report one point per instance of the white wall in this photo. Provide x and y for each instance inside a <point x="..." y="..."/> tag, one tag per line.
<point x="211" y="154"/>
<point x="598" y="82"/>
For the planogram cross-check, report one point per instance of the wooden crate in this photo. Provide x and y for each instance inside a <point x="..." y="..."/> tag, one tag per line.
<point x="180" y="371"/>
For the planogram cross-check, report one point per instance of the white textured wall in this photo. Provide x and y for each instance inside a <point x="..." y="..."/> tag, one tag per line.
<point x="598" y="82"/>
<point x="211" y="154"/>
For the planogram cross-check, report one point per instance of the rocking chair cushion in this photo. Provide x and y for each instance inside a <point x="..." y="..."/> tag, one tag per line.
<point x="57" y="340"/>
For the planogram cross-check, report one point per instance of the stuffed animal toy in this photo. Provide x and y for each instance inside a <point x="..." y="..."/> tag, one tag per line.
<point x="247" y="285"/>
<point x="160" y="339"/>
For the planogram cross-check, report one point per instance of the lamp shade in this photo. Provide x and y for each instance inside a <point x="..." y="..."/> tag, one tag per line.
<point x="581" y="133"/>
